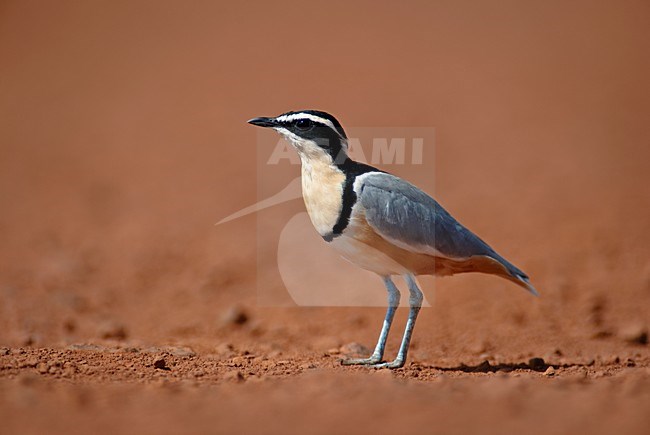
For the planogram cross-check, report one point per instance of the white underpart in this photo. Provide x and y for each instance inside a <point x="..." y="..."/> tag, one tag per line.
<point x="365" y="256"/>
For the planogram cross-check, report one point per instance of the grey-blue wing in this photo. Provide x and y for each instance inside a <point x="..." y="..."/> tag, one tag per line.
<point x="405" y="215"/>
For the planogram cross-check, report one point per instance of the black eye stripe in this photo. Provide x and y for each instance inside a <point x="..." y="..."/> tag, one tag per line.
<point x="330" y="138"/>
<point x="288" y="122"/>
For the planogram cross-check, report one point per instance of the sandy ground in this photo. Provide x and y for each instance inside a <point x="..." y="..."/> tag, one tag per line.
<point x="123" y="140"/>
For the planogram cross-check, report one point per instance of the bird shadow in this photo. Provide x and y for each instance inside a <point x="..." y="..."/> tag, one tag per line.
<point x="534" y="364"/>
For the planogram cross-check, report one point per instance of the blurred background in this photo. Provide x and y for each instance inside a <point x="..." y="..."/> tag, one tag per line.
<point x="123" y="139"/>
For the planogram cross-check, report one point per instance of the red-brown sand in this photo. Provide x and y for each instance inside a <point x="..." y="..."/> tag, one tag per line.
<point x="123" y="139"/>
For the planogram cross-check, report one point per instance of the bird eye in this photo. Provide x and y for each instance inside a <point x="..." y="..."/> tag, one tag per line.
<point x="304" y="124"/>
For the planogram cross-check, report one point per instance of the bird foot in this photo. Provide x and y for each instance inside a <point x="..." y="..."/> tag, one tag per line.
<point x="374" y="362"/>
<point x="371" y="361"/>
<point x="396" y="364"/>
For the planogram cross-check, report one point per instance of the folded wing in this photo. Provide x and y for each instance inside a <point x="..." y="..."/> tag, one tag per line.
<point x="409" y="218"/>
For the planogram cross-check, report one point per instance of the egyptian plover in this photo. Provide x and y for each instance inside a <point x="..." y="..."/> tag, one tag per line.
<point x="380" y="222"/>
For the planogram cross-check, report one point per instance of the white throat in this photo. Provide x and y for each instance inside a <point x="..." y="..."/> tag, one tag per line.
<point x="308" y="150"/>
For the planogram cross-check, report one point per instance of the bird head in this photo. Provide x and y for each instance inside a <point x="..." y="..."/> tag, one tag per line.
<point x="314" y="134"/>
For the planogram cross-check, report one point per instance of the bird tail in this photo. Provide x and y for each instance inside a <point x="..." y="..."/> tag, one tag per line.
<point x="523" y="281"/>
<point x="510" y="272"/>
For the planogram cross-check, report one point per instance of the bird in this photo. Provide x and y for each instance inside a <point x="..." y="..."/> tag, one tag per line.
<point x="381" y="222"/>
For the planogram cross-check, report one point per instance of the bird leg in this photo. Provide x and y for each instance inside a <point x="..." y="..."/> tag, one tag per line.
<point x="393" y="303"/>
<point x="415" y="303"/>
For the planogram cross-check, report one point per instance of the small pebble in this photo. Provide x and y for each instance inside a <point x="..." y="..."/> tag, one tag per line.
<point x="160" y="363"/>
<point x="537" y="364"/>
<point x="234" y="315"/>
<point x="635" y="334"/>
<point x="42" y="368"/>
<point x="550" y="371"/>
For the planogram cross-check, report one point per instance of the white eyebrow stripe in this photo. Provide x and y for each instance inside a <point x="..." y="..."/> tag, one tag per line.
<point x="294" y="116"/>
